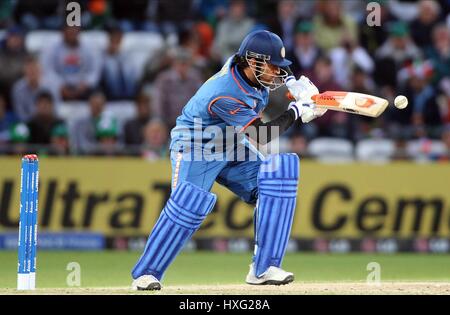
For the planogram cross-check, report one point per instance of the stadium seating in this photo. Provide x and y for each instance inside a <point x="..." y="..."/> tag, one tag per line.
<point x="375" y="150"/>
<point x="331" y="150"/>
<point x="423" y="150"/>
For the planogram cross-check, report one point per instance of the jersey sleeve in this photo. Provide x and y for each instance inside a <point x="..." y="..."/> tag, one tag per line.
<point x="233" y="111"/>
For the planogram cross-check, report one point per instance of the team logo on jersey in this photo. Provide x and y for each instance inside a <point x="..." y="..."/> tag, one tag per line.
<point x="233" y="112"/>
<point x="283" y="52"/>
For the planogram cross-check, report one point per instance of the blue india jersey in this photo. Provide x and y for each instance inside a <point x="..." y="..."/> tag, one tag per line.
<point x="223" y="103"/>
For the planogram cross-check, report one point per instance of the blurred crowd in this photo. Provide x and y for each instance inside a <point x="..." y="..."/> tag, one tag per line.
<point x="328" y="41"/>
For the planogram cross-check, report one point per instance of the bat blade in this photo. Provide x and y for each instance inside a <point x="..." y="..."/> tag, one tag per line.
<point x="351" y="102"/>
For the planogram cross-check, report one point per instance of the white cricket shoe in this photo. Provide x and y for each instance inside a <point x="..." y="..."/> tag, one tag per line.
<point x="272" y="276"/>
<point x="146" y="282"/>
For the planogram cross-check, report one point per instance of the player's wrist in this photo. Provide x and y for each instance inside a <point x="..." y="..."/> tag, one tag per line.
<point x="290" y="80"/>
<point x="292" y="113"/>
<point x="296" y="109"/>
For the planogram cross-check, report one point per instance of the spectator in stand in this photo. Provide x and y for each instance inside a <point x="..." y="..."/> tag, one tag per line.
<point x="44" y="120"/>
<point x="211" y="11"/>
<point x="422" y="26"/>
<point x="285" y="22"/>
<point x="189" y="39"/>
<point x="72" y="66"/>
<point x="205" y="39"/>
<point x="333" y="124"/>
<point x="198" y="40"/>
<point x="98" y="13"/>
<point x="372" y="37"/>
<point x="323" y="76"/>
<point x="445" y="138"/>
<point x="444" y="105"/>
<point x="397" y="51"/>
<point x="174" y="15"/>
<point x="426" y="110"/>
<point x="445" y="6"/>
<point x="116" y="79"/>
<point x="159" y="62"/>
<point x="133" y="129"/>
<point x="24" y="91"/>
<point x="356" y="10"/>
<point x="6" y="13"/>
<point x="135" y="15"/>
<point x="232" y="30"/>
<point x="107" y="137"/>
<point x="305" y="52"/>
<point x="362" y="82"/>
<point x="174" y="87"/>
<point x="439" y="54"/>
<point x="404" y="10"/>
<point x="422" y="112"/>
<point x="448" y="20"/>
<point x="306" y="8"/>
<point x="18" y="139"/>
<point x="43" y="14"/>
<point x="331" y="25"/>
<point x="12" y="59"/>
<point x="7" y="121"/>
<point x="84" y="130"/>
<point x="348" y="56"/>
<point x="59" y="141"/>
<point x="155" y="144"/>
<point x="298" y="144"/>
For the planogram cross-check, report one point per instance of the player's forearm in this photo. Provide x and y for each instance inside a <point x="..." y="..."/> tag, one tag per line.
<point x="263" y="133"/>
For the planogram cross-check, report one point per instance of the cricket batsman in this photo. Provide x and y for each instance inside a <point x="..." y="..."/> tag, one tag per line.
<point x="233" y="99"/>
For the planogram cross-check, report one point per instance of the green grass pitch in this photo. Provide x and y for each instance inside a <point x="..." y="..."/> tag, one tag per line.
<point x="112" y="268"/>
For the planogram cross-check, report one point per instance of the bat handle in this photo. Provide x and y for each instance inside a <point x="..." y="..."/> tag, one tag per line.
<point x="289" y="96"/>
<point x="292" y="98"/>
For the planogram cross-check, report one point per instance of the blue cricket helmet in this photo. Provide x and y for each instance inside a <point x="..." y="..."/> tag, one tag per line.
<point x="264" y="45"/>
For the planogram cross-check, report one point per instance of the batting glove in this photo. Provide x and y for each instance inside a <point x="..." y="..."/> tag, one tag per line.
<point x="302" y="89"/>
<point x="307" y="112"/>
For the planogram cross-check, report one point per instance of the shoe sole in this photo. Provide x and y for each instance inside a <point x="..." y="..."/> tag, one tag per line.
<point x="150" y="287"/>
<point x="287" y="280"/>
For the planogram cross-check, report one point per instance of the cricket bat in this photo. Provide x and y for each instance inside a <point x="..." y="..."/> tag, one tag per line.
<point x="350" y="102"/>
